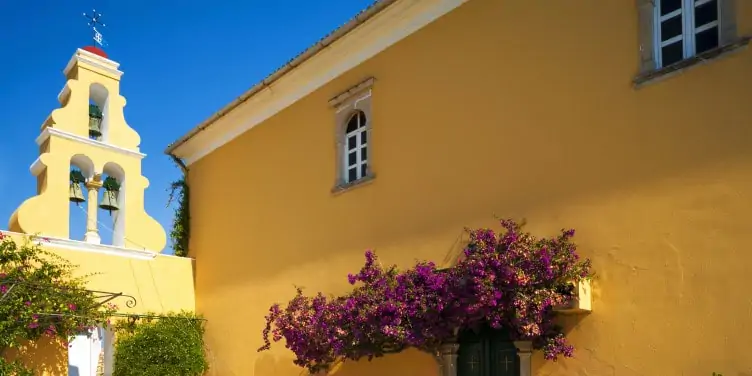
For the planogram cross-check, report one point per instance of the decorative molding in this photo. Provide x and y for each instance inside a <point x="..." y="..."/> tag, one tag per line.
<point x="77" y="245"/>
<point x="389" y="26"/>
<point x="50" y="131"/>
<point x="37" y="167"/>
<point x="343" y="97"/>
<point x="83" y="56"/>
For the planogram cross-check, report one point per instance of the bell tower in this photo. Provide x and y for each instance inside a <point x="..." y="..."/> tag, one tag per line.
<point x="89" y="155"/>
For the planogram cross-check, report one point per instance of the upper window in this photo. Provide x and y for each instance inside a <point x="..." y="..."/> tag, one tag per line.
<point x="356" y="147"/>
<point x="354" y="121"/>
<point x="673" y="32"/>
<point x="685" y="28"/>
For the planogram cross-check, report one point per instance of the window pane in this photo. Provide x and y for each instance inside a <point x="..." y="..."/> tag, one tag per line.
<point x="668" y="6"/>
<point x="671" y="28"/>
<point x="361" y="119"/>
<point x="352" y="142"/>
<point x="672" y="53"/>
<point x="364" y="138"/>
<point x="706" y="13"/>
<point x="707" y="40"/>
<point x="352" y="158"/>
<point x="352" y="123"/>
<point x="352" y="174"/>
<point x="364" y="154"/>
<point x="364" y="169"/>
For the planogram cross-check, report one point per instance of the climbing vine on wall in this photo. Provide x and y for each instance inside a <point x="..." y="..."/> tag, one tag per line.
<point x="180" y="222"/>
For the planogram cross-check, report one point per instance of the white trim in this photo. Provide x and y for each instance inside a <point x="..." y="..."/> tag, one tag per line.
<point x="83" y="56"/>
<point x="77" y="245"/>
<point x="37" y="167"/>
<point x="390" y="26"/>
<point x="50" y="131"/>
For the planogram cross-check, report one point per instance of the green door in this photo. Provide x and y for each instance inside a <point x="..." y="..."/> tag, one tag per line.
<point x="488" y="352"/>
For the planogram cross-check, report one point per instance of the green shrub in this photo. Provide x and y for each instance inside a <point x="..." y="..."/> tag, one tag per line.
<point x="166" y="346"/>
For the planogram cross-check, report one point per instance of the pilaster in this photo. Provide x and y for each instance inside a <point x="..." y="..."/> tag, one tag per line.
<point x="525" y="352"/>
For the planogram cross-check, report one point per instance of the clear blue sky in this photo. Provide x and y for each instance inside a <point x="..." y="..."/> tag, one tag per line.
<point x="171" y="80"/>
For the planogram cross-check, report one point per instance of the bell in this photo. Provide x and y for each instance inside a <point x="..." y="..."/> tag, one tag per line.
<point x="95" y="127"/>
<point x="76" y="193"/>
<point x="95" y="121"/>
<point x="109" y="201"/>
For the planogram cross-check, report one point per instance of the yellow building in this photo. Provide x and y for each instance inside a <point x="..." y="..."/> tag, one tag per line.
<point x="629" y="121"/>
<point x="89" y="134"/>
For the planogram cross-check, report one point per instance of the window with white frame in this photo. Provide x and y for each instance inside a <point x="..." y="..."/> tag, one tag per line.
<point x="353" y="121"/>
<point x="672" y="33"/>
<point x="356" y="147"/>
<point x="685" y="28"/>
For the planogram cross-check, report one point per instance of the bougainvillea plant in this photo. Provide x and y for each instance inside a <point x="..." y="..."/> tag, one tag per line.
<point x="510" y="280"/>
<point x="40" y="297"/>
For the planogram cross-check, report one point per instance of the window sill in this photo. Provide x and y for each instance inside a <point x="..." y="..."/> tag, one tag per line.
<point x="340" y="188"/>
<point x="665" y="72"/>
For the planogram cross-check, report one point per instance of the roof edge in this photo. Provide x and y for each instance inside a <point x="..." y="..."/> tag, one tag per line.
<point x="332" y="37"/>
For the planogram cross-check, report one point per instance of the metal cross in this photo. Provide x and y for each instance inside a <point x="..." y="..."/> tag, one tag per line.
<point x="93" y="22"/>
<point x="473" y="362"/>
<point x="506" y="363"/>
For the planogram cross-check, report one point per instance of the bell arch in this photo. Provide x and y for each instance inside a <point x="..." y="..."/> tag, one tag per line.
<point x="114" y="201"/>
<point x="99" y="113"/>
<point x="81" y="169"/>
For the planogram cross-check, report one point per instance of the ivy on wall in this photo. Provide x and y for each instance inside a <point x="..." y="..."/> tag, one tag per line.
<point x="171" y="345"/>
<point x="180" y="222"/>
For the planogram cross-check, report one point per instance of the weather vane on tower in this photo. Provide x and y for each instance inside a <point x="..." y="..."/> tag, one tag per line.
<point x="93" y="22"/>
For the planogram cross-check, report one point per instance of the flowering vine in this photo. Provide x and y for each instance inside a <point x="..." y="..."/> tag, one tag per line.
<point x="510" y="280"/>
<point x="39" y="297"/>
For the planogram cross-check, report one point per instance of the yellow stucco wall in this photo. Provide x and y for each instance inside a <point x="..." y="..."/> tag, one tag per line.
<point x="507" y="108"/>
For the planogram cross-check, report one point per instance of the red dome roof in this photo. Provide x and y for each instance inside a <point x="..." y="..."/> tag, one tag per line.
<point x="96" y="51"/>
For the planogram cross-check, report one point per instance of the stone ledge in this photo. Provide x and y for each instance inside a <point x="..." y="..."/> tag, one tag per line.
<point x="666" y="72"/>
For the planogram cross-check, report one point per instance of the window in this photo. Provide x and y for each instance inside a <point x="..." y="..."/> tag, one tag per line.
<point x="354" y="122"/>
<point x="673" y="31"/>
<point x="356" y="147"/>
<point x="686" y="28"/>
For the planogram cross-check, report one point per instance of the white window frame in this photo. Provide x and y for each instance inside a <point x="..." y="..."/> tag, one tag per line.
<point x="362" y="129"/>
<point x="689" y="31"/>
<point x="346" y="105"/>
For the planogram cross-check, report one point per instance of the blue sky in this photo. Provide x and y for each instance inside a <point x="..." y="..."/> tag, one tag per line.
<point x="172" y="79"/>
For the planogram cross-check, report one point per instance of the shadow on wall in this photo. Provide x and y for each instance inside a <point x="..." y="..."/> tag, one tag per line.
<point x="44" y="356"/>
<point x="408" y="363"/>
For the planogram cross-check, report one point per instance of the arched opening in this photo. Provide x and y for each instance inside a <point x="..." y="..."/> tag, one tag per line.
<point x="98" y="112"/>
<point x="81" y="169"/>
<point x="356" y="147"/>
<point x="112" y="201"/>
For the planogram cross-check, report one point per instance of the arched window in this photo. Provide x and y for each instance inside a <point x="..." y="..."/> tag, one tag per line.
<point x="356" y="147"/>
